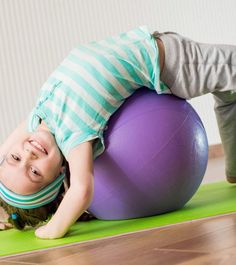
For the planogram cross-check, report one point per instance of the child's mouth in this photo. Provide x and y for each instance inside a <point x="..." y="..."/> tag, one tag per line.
<point x="38" y="146"/>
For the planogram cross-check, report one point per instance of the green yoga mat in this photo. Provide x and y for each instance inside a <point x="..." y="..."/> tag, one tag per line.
<point x="210" y="200"/>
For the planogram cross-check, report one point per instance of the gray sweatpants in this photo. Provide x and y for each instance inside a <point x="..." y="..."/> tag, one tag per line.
<point x="192" y="69"/>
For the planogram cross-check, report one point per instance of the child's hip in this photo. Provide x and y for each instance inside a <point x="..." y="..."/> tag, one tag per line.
<point x="192" y="69"/>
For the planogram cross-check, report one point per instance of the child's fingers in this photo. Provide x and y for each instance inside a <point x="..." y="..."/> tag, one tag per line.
<point x="8" y="225"/>
<point x="5" y="226"/>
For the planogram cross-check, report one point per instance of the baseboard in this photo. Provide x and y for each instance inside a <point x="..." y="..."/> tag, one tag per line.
<point x="215" y="151"/>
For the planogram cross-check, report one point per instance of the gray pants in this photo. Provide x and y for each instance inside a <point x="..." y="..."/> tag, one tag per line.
<point x="192" y="69"/>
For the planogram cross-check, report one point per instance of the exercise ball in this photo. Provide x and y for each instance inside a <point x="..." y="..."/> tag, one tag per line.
<point x="155" y="158"/>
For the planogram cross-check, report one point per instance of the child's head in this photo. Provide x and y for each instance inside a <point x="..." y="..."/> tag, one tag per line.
<point x="31" y="162"/>
<point x="31" y="175"/>
<point x="33" y="209"/>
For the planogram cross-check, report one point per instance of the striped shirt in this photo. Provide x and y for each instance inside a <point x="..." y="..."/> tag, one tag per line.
<point x="91" y="83"/>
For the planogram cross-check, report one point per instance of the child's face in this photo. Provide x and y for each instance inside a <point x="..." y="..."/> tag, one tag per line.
<point x="27" y="167"/>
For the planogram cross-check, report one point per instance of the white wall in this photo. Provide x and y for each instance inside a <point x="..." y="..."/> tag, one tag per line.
<point x="35" y="35"/>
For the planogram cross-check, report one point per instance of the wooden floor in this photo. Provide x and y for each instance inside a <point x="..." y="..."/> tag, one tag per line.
<point x="208" y="241"/>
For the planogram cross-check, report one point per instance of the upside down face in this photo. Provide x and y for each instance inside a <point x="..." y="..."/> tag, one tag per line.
<point x="32" y="162"/>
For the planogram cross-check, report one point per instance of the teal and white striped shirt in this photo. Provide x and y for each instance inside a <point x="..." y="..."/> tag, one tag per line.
<point x="91" y="83"/>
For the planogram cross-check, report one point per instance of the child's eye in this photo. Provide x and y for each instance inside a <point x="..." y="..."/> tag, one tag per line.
<point x="15" y="157"/>
<point x="35" y="172"/>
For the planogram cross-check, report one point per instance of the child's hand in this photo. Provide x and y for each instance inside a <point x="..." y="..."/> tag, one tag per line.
<point x="48" y="232"/>
<point x="5" y="226"/>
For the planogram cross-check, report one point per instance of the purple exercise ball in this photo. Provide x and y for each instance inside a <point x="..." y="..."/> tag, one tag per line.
<point x="155" y="158"/>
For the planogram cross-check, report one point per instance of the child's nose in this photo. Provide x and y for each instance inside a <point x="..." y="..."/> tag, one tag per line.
<point x="31" y="151"/>
<point x="30" y="154"/>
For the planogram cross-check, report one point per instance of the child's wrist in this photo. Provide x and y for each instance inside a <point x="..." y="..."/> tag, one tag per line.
<point x="57" y="227"/>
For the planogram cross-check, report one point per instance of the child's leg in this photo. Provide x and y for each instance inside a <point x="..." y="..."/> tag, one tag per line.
<point x="192" y="69"/>
<point x="225" y="109"/>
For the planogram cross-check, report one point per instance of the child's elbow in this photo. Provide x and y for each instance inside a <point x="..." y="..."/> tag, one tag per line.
<point x="85" y="192"/>
<point x="88" y="192"/>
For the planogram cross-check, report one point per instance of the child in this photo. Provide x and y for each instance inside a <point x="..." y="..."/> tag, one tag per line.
<point x="75" y="105"/>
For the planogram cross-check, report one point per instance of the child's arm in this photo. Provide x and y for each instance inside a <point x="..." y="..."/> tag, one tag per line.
<point x="78" y="196"/>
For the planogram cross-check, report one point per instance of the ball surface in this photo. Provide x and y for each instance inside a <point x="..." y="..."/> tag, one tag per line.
<point x="155" y="158"/>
